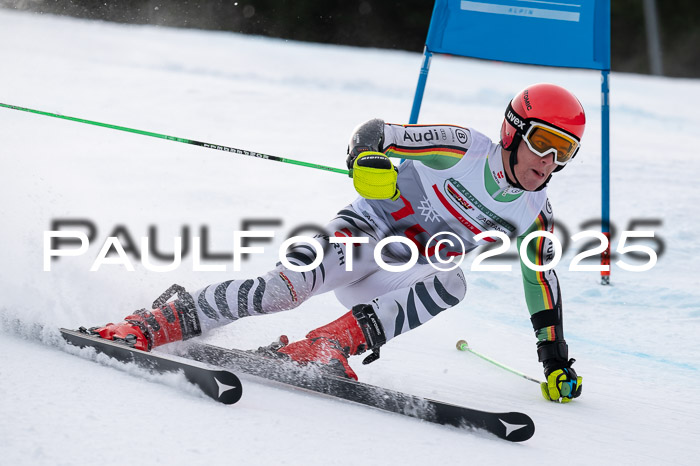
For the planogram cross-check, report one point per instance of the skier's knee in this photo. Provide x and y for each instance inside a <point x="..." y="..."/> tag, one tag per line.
<point x="452" y="284"/>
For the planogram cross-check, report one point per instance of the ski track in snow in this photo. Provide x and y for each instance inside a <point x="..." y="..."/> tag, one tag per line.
<point x="636" y="342"/>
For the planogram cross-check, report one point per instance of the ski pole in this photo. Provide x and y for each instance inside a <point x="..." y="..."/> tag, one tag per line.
<point x="182" y="140"/>
<point x="462" y="345"/>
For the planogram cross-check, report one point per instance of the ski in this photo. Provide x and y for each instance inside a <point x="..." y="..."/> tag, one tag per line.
<point x="511" y="426"/>
<point x="223" y="386"/>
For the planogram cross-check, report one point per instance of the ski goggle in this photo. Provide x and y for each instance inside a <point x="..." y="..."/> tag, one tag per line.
<point x="543" y="139"/>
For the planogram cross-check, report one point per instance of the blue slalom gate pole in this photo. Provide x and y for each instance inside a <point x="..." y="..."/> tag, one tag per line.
<point x="420" y="88"/>
<point x="605" y="171"/>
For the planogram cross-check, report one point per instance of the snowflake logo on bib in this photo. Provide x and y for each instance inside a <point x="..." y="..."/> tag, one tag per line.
<point x="428" y="212"/>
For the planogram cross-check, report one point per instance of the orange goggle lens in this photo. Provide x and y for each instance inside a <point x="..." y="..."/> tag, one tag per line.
<point x="544" y="139"/>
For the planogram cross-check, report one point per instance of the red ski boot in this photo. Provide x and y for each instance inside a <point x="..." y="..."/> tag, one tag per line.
<point x="331" y="345"/>
<point x="144" y="330"/>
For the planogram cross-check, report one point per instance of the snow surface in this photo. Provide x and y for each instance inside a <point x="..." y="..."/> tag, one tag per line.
<point x="636" y="342"/>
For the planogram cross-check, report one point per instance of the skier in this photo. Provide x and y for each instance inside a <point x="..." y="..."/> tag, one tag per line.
<point x="454" y="181"/>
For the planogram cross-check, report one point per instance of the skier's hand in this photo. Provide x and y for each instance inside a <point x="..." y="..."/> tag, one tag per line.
<point x="374" y="176"/>
<point x="562" y="385"/>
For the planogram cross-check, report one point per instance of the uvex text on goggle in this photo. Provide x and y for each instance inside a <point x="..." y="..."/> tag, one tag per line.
<point x="543" y="138"/>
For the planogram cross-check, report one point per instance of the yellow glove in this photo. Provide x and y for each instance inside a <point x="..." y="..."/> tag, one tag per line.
<point x="562" y="385"/>
<point x="374" y="176"/>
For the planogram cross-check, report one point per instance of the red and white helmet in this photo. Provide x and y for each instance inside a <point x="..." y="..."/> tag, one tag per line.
<point x="549" y="118"/>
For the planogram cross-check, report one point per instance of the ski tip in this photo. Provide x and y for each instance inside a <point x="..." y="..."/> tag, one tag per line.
<point x="462" y="345"/>
<point x="515" y="427"/>
<point x="228" y="388"/>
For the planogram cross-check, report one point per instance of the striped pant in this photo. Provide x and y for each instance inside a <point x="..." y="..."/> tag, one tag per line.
<point x="402" y="300"/>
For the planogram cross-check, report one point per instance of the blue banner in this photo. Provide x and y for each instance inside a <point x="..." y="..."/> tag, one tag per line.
<point x="566" y="33"/>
